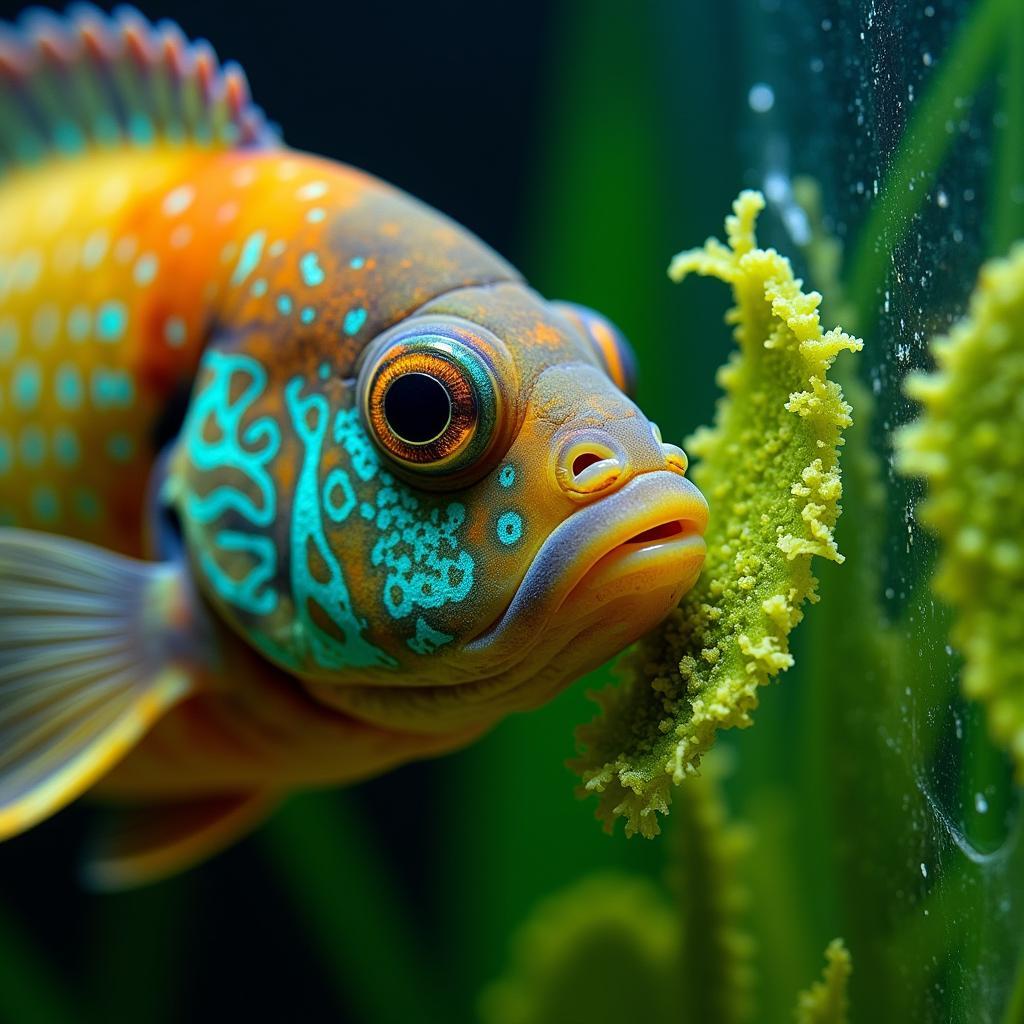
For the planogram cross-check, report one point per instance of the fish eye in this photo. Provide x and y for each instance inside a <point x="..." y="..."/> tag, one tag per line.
<point x="608" y="343"/>
<point x="434" y="403"/>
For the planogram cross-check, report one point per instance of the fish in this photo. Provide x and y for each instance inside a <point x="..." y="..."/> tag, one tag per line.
<point x="299" y="479"/>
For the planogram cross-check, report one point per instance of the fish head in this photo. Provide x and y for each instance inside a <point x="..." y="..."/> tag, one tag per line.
<point x="468" y="517"/>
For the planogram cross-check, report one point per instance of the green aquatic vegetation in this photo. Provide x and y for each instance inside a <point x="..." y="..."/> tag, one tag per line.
<point x="603" y="950"/>
<point x="613" y="947"/>
<point x="770" y="469"/>
<point x="826" y="1001"/>
<point x="968" y="444"/>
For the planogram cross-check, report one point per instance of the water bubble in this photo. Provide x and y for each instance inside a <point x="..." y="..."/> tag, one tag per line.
<point x="942" y="198"/>
<point x="980" y="803"/>
<point x="924" y="870"/>
<point x="761" y="98"/>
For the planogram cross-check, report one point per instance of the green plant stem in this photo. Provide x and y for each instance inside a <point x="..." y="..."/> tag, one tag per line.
<point x="1008" y="197"/>
<point x="923" y="146"/>
<point x="340" y="885"/>
<point x="29" y="993"/>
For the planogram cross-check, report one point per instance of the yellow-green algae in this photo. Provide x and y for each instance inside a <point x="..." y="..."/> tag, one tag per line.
<point x="827" y="1001"/>
<point x="613" y="948"/>
<point x="769" y="467"/>
<point x="968" y="444"/>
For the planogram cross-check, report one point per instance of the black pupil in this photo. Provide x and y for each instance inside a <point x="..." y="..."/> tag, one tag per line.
<point x="417" y="407"/>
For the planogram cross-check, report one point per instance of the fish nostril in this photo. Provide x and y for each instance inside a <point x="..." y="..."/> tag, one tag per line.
<point x="583" y="461"/>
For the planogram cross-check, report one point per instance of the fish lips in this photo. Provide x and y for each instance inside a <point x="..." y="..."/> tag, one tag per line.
<point x="644" y="538"/>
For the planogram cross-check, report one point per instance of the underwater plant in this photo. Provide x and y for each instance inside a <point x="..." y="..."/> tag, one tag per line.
<point x="968" y="444"/>
<point x="770" y="466"/>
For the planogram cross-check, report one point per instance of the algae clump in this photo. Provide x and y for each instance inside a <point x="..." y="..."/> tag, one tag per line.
<point x="769" y="467"/>
<point x="826" y="1001"/>
<point x="968" y="444"/>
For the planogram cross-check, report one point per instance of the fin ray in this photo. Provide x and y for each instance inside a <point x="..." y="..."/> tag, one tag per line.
<point x="84" y="673"/>
<point x="87" y="80"/>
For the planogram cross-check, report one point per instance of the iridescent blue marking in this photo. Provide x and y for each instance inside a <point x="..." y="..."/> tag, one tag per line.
<point x="308" y="314"/>
<point x="427" y="640"/>
<point x="111" y="320"/>
<point x="507" y="476"/>
<point x="316" y="215"/>
<point x="120" y="447"/>
<point x="8" y="339"/>
<point x="284" y="304"/>
<point x="44" y="504"/>
<point x="33" y="446"/>
<point x="354" y="320"/>
<point x="230" y="384"/>
<point x="68" y="386"/>
<point x="145" y="269"/>
<point x="87" y="505"/>
<point x="79" y="323"/>
<point x="66" y="449"/>
<point x="175" y="331"/>
<point x="324" y="371"/>
<point x="112" y="389"/>
<point x="45" y="325"/>
<point x="249" y="258"/>
<point x="258" y="288"/>
<point x="510" y="527"/>
<point x="326" y="587"/>
<point x="357" y="263"/>
<point x="27" y="385"/>
<point x="312" y="272"/>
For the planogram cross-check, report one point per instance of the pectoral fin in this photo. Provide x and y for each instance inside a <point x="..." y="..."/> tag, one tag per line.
<point x="140" y="845"/>
<point x="94" y="648"/>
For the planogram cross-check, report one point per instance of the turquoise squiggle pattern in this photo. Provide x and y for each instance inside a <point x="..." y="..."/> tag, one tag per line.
<point x="248" y="452"/>
<point x="427" y="565"/>
<point x="350" y="649"/>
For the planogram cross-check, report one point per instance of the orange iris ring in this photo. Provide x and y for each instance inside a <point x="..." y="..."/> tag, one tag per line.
<point x="474" y="396"/>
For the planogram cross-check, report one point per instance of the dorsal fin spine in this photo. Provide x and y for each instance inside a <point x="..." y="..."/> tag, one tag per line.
<point x="89" y="80"/>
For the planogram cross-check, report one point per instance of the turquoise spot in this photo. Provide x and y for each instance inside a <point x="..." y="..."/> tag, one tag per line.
<point x="510" y="527"/>
<point x="112" y="389"/>
<point x="175" y="331"/>
<point x="277" y="248"/>
<point x="324" y="371"/>
<point x="145" y="269"/>
<point x="284" y="304"/>
<point x="6" y="455"/>
<point x="87" y="506"/>
<point x="66" y="449"/>
<point x="27" y="386"/>
<point x="259" y="288"/>
<point x="94" y="250"/>
<point x="45" y="325"/>
<point x="120" y="447"/>
<point x="354" y="320"/>
<point x="357" y="263"/>
<point x="367" y="511"/>
<point x="79" y="322"/>
<point x="44" y="504"/>
<point x="111" y="321"/>
<point x="249" y="258"/>
<point x="427" y="639"/>
<point x="33" y="446"/>
<point x="312" y="272"/>
<point x="8" y="339"/>
<point x="308" y="314"/>
<point x="316" y="215"/>
<point x="507" y="476"/>
<point x="68" y="385"/>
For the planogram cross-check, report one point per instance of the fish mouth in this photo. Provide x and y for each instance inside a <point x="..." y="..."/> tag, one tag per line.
<point x="643" y="542"/>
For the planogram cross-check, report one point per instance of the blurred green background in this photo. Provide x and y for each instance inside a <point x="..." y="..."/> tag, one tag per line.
<point x="588" y="141"/>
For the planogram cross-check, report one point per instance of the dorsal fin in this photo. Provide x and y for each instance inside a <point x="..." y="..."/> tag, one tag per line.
<point x="87" y="80"/>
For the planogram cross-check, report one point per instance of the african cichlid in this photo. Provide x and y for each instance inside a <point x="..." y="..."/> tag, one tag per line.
<point x="298" y="479"/>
